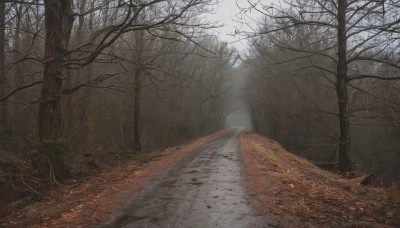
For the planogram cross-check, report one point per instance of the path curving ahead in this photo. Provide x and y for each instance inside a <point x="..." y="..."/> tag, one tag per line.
<point x="204" y="188"/>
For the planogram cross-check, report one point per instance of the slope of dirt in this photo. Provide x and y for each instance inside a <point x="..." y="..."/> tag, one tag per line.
<point x="302" y="195"/>
<point x="88" y="201"/>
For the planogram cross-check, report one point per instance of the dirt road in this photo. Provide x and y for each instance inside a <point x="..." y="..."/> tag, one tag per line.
<point x="202" y="189"/>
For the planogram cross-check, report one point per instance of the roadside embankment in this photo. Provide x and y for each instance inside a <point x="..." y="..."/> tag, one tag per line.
<point x="90" y="200"/>
<point x="302" y="195"/>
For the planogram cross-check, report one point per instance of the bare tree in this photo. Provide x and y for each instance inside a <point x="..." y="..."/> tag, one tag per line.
<point x="155" y="55"/>
<point x="3" y="105"/>
<point x="352" y="31"/>
<point x="159" y="16"/>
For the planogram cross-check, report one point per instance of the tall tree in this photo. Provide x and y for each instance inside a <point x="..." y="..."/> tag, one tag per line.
<point x="352" y="32"/>
<point x="3" y="105"/>
<point x="341" y="88"/>
<point x="59" y="18"/>
<point x="58" y="22"/>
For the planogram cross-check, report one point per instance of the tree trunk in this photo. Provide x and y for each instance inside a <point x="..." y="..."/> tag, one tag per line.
<point x="88" y="70"/>
<point x="139" y="47"/>
<point x="3" y="104"/>
<point x="136" y="129"/>
<point x="81" y="19"/>
<point x="77" y="119"/>
<point x="13" y="113"/>
<point x="341" y="90"/>
<point x="127" y="129"/>
<point x="58" y="24"/>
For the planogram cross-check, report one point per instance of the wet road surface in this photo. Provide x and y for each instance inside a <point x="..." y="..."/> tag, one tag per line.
<point x="204" y="188"/>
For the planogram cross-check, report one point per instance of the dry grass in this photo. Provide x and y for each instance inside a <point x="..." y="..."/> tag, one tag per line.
<point x="303" y="195"/>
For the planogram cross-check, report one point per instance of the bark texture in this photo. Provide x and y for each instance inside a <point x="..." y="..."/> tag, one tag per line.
<point x="136" y="126"/>
<point x="51" y="150"/>
<point x="3" y="104"/>
<point x="58" y="23"/>
<point x="341" y="90"/>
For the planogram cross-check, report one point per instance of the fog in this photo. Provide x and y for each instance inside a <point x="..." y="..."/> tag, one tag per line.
<point x="239" y="116"/>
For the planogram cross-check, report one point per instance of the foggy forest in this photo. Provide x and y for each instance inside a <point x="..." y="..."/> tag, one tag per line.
<point x="96" y="93"/>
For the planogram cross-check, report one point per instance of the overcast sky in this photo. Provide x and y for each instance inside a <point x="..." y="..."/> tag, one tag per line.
<point x="227" y="12"/>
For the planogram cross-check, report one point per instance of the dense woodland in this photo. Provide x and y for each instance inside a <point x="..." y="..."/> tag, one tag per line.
<point x="84" y="83"/>
<point x="323" y="79"/>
